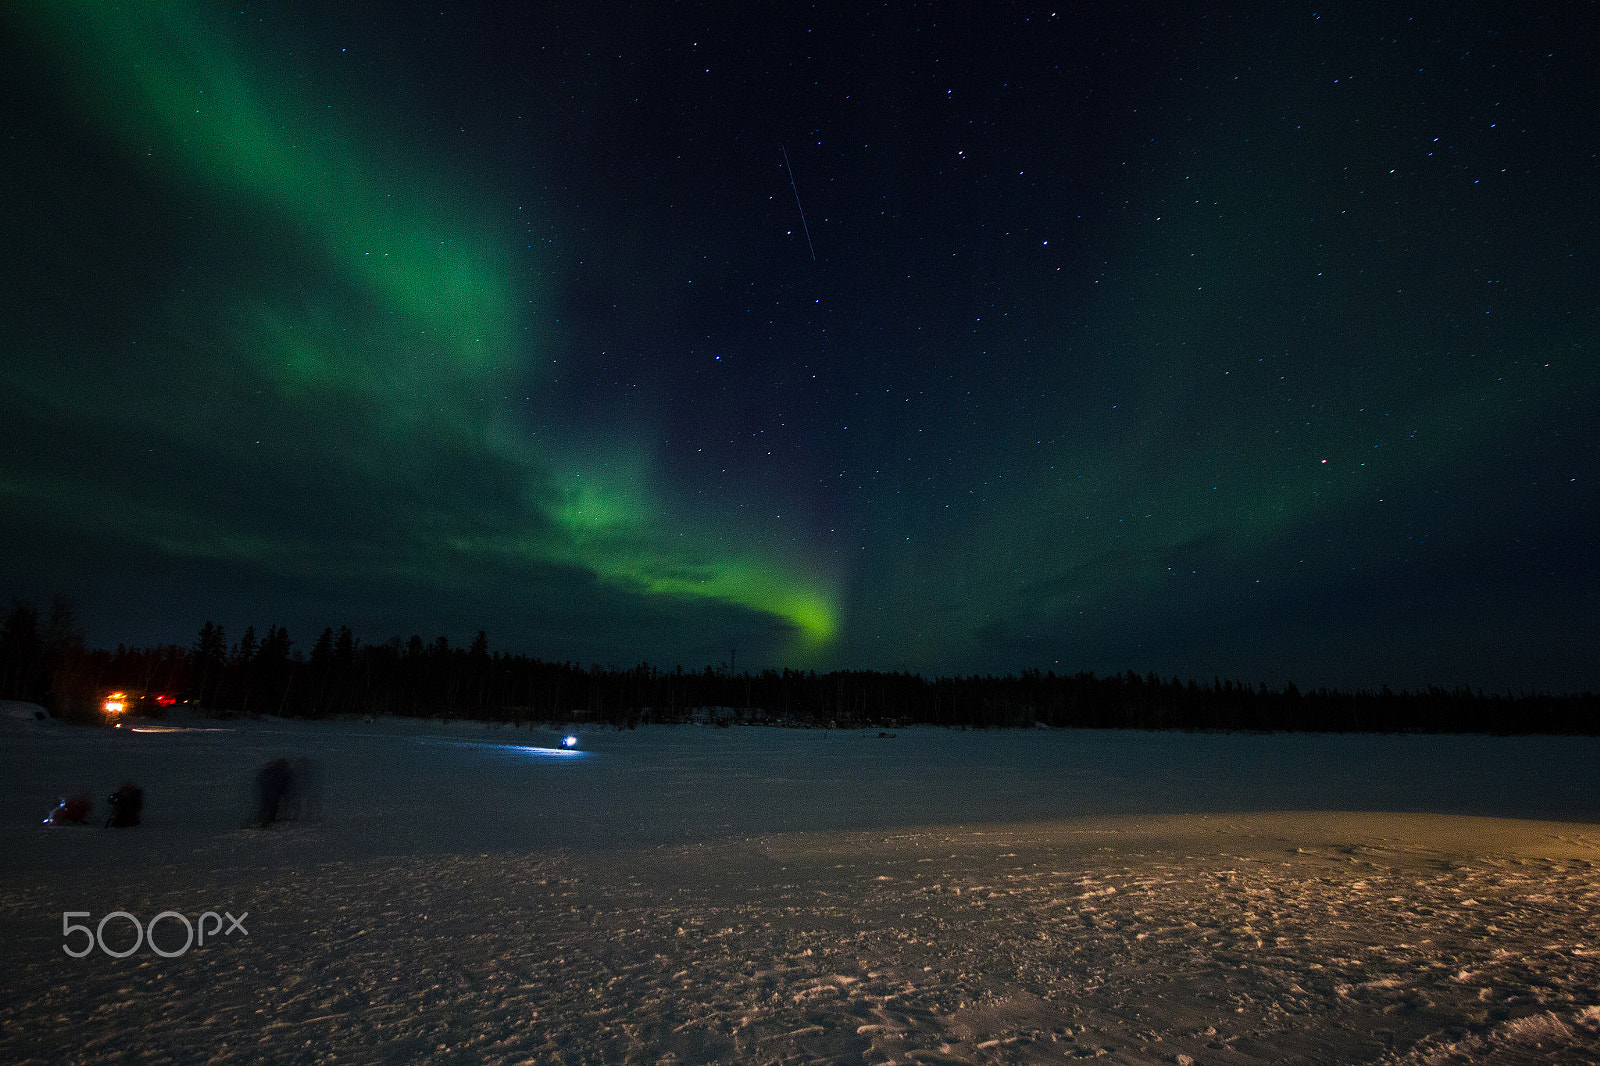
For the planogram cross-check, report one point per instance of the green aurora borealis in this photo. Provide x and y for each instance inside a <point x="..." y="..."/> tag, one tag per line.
<point x="1262" y="347"/>
<point x="375" y="376"/>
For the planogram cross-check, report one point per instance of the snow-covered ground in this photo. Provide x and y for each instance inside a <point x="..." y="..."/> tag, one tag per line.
<point x="691" y="894"/>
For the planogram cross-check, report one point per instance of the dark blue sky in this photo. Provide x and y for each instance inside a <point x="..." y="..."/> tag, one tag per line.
<point x="1258" y="344"/>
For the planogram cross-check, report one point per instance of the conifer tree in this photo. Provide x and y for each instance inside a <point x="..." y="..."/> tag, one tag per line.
<point x="209" y="652"/>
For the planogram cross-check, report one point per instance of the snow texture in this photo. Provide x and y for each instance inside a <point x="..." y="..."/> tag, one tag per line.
<point x="467" y="894"/>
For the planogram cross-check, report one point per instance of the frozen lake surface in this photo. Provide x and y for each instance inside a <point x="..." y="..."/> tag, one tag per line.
<point x="695" y="895"/>
<point x="418" y="787"/>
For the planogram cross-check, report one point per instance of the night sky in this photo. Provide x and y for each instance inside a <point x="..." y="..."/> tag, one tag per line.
<point x="950" y="338"/>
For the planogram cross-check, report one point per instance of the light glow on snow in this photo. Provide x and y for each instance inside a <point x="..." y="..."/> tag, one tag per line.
<point x="532" y="750"/>
<point x="685" y="878"/>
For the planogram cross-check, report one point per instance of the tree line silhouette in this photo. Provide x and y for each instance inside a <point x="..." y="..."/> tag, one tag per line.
<point x="44" y="659"/>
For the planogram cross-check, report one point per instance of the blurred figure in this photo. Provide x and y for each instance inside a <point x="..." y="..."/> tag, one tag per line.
<point x="70" y="811"/>
<point x="272" y="785"/>
<point x="126" y="804"/>
<point x="303" y="796"/>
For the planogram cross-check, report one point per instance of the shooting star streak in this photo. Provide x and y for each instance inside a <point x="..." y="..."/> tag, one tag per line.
<point x="796" y="189"/>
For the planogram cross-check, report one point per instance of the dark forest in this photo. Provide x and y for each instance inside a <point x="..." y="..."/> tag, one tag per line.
<point x="44" y="659"/>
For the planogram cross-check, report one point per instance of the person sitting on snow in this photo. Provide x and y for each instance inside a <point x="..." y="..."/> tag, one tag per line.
<point x="126" y="803"/>
<point x="70" y="811"/>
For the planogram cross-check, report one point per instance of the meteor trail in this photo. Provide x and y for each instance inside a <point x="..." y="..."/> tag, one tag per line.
<point x="796" y="189"/>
